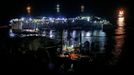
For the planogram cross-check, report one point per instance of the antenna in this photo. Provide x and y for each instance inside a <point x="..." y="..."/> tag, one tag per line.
<point x="82" y="8"/>
<point x="28" y="8"/>
<point x="58" y="8"/>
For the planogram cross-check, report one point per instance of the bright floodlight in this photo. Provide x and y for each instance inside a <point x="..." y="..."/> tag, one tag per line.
<point x="121" y="12"/>
<point x="11" y="21"/>
<point x="11" y="34"/>
<point x="22" y="19"/>
<point x="88" y="33"/>
<point x="51" y="19"/>
<point x="30" y="19"/>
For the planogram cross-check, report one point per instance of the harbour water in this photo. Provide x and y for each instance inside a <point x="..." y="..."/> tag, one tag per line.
<point x="54" y="51"/>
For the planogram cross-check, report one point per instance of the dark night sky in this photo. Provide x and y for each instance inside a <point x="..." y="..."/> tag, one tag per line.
<point x="16" y="8"/>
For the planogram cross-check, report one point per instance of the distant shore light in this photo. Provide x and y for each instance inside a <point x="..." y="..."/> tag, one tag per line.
<point x="121" y="17"/>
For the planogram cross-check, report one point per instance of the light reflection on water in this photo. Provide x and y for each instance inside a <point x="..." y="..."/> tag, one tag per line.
<point x="92" y="46"/>
<point x="118" y="45"/>
<point x="120" y="30"/>
<point x="119" y="40"/>
<point x="75" y="38"/>
<point x="91" y="42"/>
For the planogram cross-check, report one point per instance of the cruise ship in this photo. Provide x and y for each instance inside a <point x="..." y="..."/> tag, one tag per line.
<point x="38" y="25"/>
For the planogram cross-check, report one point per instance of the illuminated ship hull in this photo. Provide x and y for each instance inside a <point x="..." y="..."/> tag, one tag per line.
<point x="28" y="25"/>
